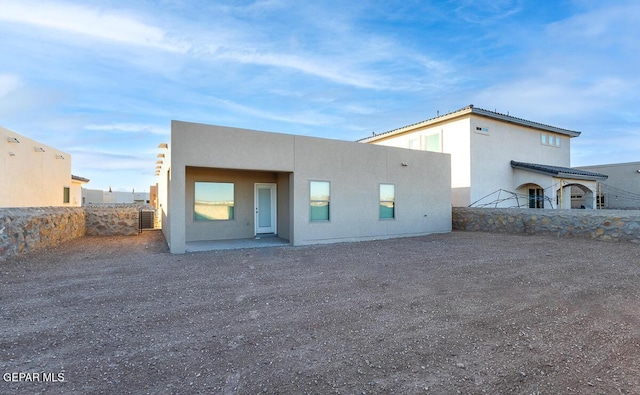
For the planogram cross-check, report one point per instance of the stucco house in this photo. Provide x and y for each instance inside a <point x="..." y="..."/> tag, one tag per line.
<point x="98" y="196"/>
<point x="622" y="188"/>
<point x="36" y="175"/>
<point x="218" y="183"/>
<point x="498" y="160"/>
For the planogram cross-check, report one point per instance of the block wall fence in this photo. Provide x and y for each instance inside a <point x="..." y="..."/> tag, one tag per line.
<point x="606" y="225"/>
<point x="24" y="230"/>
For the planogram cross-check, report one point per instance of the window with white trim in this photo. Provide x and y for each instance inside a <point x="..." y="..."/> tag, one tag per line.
<point x="550" y="140"/>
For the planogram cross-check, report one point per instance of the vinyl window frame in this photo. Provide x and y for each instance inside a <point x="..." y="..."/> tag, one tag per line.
<point x="66" y="195"/>
<point x="319" y="201"/>
<point x="204" y="217"/>
<point x="384" y="203"/>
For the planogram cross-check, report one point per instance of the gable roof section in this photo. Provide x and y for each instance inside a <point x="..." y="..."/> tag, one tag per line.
<point x="557" y="171"/>
<point x="470" y="109"/>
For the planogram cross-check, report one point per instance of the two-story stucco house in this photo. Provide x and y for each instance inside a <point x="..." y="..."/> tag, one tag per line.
<point x="498" y="160"/>
<point x="36" y="175"/>
<point x="222" y="183"/>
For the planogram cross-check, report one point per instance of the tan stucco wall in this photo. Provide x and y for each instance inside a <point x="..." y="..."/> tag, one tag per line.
<point x="243" y="225"/>
<point x="284" y="200"/>
<point x="30" y="178"/>
<point x="355" y="171"/>
<point x="76" y="193"/>
<point x="622" y="189"/>
<point x="455" y="137"/>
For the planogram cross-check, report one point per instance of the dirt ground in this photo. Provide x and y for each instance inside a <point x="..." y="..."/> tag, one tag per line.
<point x="464" y="312"/>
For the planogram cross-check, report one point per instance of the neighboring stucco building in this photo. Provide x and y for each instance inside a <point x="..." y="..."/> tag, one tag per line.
<point x="219" y="182"/>
<point x="76" y="189"/>
<point x="36" y="175"/>
<point x="498" y="160"/>
<point x="622" y="188"/>
<point x="98" y="196"/>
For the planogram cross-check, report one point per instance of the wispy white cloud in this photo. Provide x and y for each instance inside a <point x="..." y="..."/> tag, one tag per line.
<point x="100" y="23"/>
<point x="20" y="100"/>
<point x="93" y="72"/>
<point x="88" y="158"/>
<point x="540" y="96"/>
<point x="303" y="117"/>
<point x="317" y="67"/>
<point x="129" y="128"/>
<point x="581" y="69"/>
<point x="359" y="109"/>
<point x="609" y="23"/>
<point x="335" y="52"/>
<point x="487" y="11"/>
<point x="9" y="83"/>
<point x="254" y="7"/>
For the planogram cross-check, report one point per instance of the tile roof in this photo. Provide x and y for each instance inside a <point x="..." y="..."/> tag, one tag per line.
<point x="558" y="171"/>
<point x="470" y="109"/>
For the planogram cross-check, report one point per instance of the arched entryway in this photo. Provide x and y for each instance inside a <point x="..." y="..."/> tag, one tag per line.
<point x="575" y="196"/>
<point x="532" y="195"/>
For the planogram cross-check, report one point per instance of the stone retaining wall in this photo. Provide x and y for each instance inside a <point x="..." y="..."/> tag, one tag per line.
<point x="608" y="225"/>
<point x="112" y="220"/>
<point x="24" y="230"/>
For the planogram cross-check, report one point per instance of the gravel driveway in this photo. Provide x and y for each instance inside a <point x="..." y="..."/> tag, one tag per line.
<point x="462" y="312"/>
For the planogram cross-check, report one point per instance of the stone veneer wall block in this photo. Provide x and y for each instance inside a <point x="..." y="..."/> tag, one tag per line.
<point x="23" y="230"/>
<point x="607" y="225"/>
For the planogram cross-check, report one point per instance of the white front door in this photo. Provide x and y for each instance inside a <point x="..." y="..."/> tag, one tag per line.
<point x="265" y="202"/>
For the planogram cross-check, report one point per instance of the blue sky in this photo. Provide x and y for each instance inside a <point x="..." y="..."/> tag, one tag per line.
<point x="102" y="79"/>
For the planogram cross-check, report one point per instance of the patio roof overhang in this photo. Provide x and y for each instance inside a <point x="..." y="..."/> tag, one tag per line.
<point x="560" y="172"/>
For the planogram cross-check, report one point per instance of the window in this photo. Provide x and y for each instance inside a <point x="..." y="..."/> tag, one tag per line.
<point x="66" y="198"/>
<point x="387" y="201"/>
<point x="550" y="140"/>
<point x="320" y="196"/>
<point x="482" y="130"/>
<point x="536" y="198"/>
<point x="214" y="201"/>
<point x="433" y="143"/>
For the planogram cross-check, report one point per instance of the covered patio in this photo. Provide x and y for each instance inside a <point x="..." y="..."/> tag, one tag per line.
<point x="551" y="186"/>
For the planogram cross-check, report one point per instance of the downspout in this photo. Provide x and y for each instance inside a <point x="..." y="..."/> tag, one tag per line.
<point x="561" y="194"/>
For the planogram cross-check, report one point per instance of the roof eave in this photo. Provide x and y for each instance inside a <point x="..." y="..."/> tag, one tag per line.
<point x="539" y="171"/>
<point x="470" y="109"/>
<point x="523" y="122"/>
<point x="560" y="174"/>
<point x="80" y="179"/>
<point x="431" y="121"/>
<point x="582" y="177"/>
